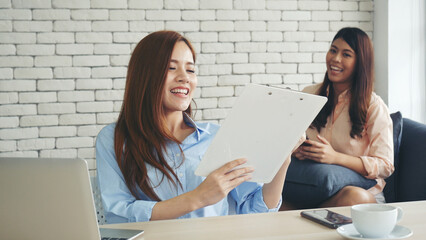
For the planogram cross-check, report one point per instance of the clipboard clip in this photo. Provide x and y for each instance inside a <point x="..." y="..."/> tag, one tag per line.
<point x="287" y="88"/>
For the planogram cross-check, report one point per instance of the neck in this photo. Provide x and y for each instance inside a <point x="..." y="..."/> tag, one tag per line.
<point x="177" y="125"/>
<point x="339" y="88"/>
<point x="174" y="121"/>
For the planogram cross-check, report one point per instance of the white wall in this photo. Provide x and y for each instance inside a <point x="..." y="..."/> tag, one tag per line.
<point x="63" y="63"/>
<point x="381" y="47"/>
<point x="399" y="41"/>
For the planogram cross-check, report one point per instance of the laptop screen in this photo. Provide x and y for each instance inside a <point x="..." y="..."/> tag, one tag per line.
<point x="46" y="198"/>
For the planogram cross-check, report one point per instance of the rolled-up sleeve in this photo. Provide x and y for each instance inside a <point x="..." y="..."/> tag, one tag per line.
<point x="378" y="162"/>
<point x="249" y="199"/>
<point x="118" y="202"/>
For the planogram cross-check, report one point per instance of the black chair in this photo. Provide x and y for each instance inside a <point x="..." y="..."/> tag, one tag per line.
<point x="408" y="182"/>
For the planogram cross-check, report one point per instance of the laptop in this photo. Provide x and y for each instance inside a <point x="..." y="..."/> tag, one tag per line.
<point x="50" y="198"/>
<point x="263" y="126"/>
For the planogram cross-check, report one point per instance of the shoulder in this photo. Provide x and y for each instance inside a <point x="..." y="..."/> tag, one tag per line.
<point x="105" y="145"/>
<point x="107" y="131"/>
<point x="312" y="89"/>
<point x="376" y="102"/>
<point x="105" y="137"/>
<point x="377" y="108"/>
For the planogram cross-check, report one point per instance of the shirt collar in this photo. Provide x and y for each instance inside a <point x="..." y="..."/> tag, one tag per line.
<point x="188" y="121"/>
<point x="344" y="95"/>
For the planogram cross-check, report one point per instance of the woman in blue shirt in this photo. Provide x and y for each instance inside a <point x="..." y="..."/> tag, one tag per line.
<point x="147" y="159"/>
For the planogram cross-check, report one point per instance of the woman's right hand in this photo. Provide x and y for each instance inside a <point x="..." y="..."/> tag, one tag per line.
<point x="220" y="182"/>
<point x="214" y="188"/>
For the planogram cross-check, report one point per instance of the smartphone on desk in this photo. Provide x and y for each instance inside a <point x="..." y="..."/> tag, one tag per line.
<point x="326" y="217"/>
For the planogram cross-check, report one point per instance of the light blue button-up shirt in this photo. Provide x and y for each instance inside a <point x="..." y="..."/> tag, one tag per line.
<point x="121" y="206"/>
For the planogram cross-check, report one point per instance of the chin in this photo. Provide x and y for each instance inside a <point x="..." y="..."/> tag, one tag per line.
<point x="335" y="79"/>
<point x="332" y="78"/>
<point x="183" y="108"/>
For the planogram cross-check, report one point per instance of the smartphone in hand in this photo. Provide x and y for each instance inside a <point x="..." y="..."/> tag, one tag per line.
<point x="326" y="217"/>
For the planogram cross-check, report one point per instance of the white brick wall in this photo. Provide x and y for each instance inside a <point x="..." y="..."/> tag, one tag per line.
<point x="63" y="62"/>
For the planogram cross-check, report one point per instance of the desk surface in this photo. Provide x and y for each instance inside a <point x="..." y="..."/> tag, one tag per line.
<point x="280" y="225"/>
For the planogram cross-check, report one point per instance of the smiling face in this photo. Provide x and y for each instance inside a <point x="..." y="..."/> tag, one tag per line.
<point x="181" y="80"/>
<point x="341" y="61"/>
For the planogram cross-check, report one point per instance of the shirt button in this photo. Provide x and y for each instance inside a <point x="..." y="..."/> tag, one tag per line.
<point x="180" y="175"/>
<point x="177" y="154"/>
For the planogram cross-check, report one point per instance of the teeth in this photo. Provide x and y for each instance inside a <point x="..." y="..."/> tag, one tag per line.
<point x="335" y="68"/>
<point x="179" y="90"/>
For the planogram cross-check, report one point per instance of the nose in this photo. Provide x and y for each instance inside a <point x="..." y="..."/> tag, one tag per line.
<point x="337" y="58"/>
<point x="183" y="76"/>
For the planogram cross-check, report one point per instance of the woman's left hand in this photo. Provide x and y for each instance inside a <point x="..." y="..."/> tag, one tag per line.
<point x="321" y="152"/>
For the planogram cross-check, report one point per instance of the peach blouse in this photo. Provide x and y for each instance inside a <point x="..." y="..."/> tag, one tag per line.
<point x="375" y="148"/>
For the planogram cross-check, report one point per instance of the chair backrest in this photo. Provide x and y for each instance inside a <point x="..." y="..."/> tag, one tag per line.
<point x="412" y="162"/>
<point x="408" y="182"/>
<point x="390" y="190"/>
<point x="98" y="201"/>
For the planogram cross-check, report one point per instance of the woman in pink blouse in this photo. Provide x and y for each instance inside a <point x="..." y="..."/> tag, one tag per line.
<point x="354" y="128"/>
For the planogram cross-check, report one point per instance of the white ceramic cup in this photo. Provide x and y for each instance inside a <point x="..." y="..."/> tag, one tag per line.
<point x="375" y="220"/>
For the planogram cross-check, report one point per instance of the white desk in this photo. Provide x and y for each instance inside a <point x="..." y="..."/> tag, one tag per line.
<point x="280" y="225"/>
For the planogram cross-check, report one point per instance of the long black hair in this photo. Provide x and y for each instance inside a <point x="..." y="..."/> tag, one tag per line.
<point x="362" y="82"/>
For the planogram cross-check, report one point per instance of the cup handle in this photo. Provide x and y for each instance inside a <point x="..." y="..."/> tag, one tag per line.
<point x="400" y="214"/>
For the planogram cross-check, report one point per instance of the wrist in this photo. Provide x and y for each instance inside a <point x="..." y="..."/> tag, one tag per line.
<point x="336" y="158"/>
<point x="286" y="163"/>
<point x="194" y="200"/>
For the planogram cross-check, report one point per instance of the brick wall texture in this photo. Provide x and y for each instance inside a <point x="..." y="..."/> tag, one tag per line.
<point x="63" y="63"/>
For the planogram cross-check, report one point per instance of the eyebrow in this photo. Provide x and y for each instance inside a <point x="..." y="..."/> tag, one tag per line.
<point x="176" y="61"/>
<point x="344" y="50"/>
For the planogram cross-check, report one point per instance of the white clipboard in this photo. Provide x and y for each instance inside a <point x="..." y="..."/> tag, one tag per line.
<point x="263" y="126"/>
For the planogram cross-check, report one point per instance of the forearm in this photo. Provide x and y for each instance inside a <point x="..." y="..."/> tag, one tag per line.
<point x="272" y="191"/>
<point x="213" y="189"/>
<point x="176" y="207"/>
<point x="351" y="162"/>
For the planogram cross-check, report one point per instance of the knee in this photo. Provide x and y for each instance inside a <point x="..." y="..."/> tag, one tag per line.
<point x="351" y="195"/>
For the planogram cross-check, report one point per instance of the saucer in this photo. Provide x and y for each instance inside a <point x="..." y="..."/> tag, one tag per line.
<point x="348" y="231"/>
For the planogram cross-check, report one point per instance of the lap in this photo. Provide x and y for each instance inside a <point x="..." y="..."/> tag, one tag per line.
<point x="348" y="196"/>
<point x="308" y="183"/>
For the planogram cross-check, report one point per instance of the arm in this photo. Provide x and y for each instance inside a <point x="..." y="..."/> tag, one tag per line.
<point x="376" y="163"/>
<point x="121" y="206"/>
<point x="214" y="188"/>
<point x="272" y="191"/>
<point x="323" y="152"/>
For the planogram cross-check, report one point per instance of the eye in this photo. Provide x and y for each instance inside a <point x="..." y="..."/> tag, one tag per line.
<point x="347" y="55"/>
<point x="172" y="68"/>
<point x="332" y="50"/>
<point x="190" y="70"/>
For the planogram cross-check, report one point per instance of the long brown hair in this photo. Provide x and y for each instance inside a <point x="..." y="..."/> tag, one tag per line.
<point x="141" y="134"/>
<point x="362" y="82"/>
